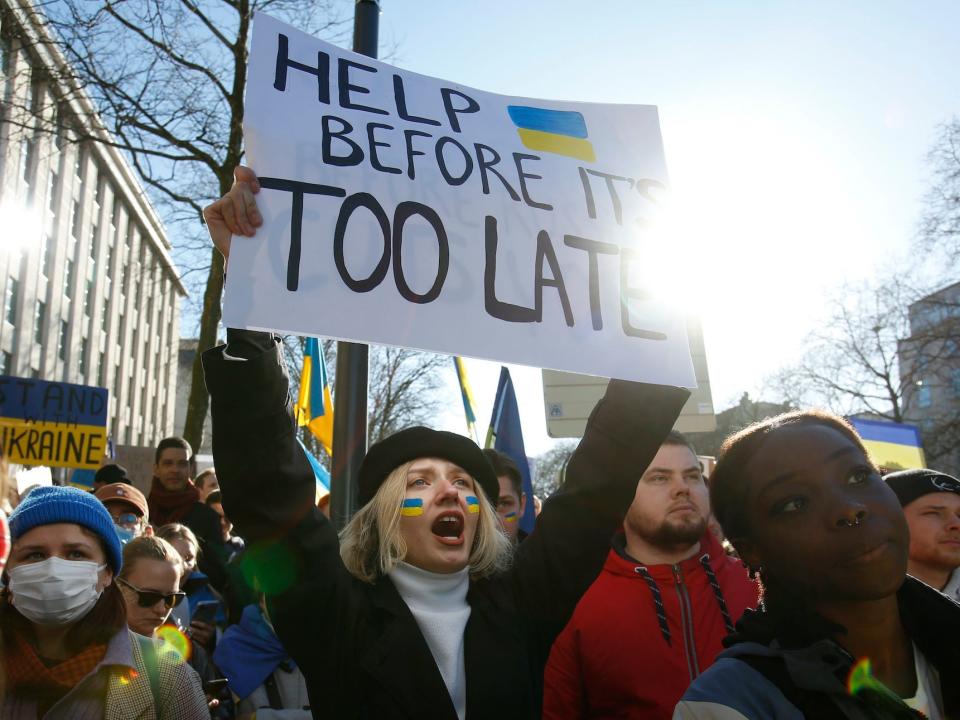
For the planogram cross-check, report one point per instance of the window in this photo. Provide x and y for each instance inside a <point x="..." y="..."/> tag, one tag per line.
<point x="60" y="137"/>
<point x="88" y="297"/>
<point x="45" y="255"/>
<point x="76" y="218"/>
<point x="64" y="338"/>
<point x="27" y="148"/>
<point x="923" y="396"/>
<point x="39" y="320"/>
<point x="6" y="52"/>
<point x="82" y="361"/>
<point x="68" y="276"/>
<point x="53" y="186"/>
<point x="104" y="313"/>
<point x="10" y="302"/>
<point x="79" y="157"/>
<point x="6" y="363"/>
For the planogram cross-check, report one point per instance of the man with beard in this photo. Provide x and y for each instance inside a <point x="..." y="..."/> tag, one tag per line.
<point x="931" y="504"/>
<point x="655" y="617"/>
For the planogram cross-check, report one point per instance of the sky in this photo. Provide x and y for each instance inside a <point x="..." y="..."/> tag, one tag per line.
<point x="795" y="135"/>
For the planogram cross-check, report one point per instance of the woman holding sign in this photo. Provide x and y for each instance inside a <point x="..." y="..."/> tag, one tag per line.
<point x="414" y="611"/>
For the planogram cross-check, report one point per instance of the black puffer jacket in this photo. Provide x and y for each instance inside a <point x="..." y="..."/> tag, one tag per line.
<point x="358" y="645"/>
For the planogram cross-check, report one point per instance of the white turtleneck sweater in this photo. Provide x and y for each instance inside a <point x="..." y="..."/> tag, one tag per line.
<point x="439" y="605"/>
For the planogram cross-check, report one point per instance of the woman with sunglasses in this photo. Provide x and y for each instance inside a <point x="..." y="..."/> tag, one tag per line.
<point x="150" y="583"/>
<point x="843" y="631"/>
<point x="67" y="650"/>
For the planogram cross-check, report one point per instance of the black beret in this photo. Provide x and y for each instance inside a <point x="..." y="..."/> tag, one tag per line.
<point x="911" y="484"/>
<point x="421" y="442"/>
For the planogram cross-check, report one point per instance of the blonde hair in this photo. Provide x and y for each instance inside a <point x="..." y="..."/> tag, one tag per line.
<point x="371" y="544"/>
<point x="177" y="531"/>
<point x="149" y="548"/>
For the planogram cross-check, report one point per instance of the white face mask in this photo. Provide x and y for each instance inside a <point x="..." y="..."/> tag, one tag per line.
<point x="55" y="591"/>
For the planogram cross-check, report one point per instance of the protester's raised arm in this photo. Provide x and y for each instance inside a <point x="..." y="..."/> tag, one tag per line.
<point x="557" y="563"/>
<point x="235" y="213"/>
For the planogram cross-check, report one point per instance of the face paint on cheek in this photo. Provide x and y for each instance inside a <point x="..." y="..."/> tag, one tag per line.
<point x="411" y="507"/>
<point x="473" y="505"/>
<point x="510" y="517"/>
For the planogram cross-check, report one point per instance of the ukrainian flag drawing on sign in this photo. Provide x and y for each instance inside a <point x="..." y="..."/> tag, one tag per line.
<point x="893" y="446"/>
<point x="562" y="132"/>
<point x="314" y="404"/>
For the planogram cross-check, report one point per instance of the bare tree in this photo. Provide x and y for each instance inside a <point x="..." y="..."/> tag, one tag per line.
<point x="940" y="226"/>
<point x="890" y="351"/>
<point x="167" y="77"/>
<point x="850" y="364"/>
<point x="550" y="468"/>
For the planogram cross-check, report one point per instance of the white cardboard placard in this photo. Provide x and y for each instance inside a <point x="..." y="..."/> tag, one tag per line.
<point x="405" y="210"/>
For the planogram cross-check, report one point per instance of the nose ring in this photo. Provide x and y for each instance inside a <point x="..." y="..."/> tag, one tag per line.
<point x="851" y="523"/>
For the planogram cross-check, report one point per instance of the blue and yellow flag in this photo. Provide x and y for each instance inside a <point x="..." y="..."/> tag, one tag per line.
<point x="466" y="395"/>
<point x="314" y="404"/>
<point x="506" y="435"/>
<point x="561" y="132"/>
<point x="894" y="446"/>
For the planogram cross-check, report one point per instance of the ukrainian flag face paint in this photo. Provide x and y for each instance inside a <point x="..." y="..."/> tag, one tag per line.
<point x="510" y="517"/>
<point x="411" y="507"/>
<point x="439" y="515"/>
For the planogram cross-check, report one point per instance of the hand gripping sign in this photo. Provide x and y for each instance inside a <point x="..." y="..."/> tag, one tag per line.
<point x="406" y="210"/>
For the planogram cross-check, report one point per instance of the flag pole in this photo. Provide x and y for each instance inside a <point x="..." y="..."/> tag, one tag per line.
<point x="350" y="419"/>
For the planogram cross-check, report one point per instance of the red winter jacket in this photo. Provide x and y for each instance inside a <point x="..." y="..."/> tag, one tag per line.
<point x="641" y="634"/>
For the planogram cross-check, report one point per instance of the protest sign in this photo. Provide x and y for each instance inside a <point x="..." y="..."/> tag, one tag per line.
<point x="407" y="210"/>
<point x="52" y="423"/>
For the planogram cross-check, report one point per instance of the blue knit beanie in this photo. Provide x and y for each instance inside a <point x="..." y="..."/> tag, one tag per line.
<point x="48" y="505"/>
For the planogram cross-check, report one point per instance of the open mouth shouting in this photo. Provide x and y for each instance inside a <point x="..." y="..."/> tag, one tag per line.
<point x="448" y="528"/>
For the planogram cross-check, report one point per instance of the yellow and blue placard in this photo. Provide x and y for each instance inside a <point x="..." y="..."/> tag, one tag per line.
<point x="561" y="132"/>
<point x="55" y="424"/>
<point x="314" y="403"/>
<point x="894" y="446"/>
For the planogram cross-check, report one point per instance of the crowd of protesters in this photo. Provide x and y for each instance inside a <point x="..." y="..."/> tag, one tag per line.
<point x="796" y="581"/>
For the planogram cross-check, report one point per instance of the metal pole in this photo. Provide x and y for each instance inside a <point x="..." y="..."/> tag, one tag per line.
<point x="350" y="418"/>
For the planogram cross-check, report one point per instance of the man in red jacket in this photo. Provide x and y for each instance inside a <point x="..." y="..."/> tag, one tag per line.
<point x="655" y="617"/>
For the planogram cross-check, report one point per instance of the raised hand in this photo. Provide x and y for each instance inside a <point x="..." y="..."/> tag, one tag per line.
<point x="235" y="213"/>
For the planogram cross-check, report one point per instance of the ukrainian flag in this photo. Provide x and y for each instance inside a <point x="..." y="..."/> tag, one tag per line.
<point x="893" y="446"/>
<point x="320" y="474"/>
<point x="314" y="404"/>
<point x="466" y="394"/>
<point x="562" y="132"/>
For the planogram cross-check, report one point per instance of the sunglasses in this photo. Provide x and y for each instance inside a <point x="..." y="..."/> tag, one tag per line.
<point x="126" y="519"/>
<point x="149" y="598"/>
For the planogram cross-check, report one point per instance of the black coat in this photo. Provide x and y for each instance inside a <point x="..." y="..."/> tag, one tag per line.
<point x="358" y="645"/>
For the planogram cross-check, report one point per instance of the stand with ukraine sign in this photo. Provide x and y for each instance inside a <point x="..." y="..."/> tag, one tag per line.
<point x="55" y="424"/>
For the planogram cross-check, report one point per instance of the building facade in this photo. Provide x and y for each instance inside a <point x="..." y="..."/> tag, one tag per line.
<point x="930" y="376"/>
<point x="90" y="293"/>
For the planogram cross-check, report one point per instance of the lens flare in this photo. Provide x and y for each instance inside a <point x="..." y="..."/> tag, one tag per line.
<point x="174" y="644"/>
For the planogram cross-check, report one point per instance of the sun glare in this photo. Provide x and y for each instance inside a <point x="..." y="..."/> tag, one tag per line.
<point x="20" y="227"/>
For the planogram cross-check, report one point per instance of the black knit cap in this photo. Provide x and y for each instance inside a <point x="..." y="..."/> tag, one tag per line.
<point x="912" y="484"/>
<point x="422" y="442"/>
